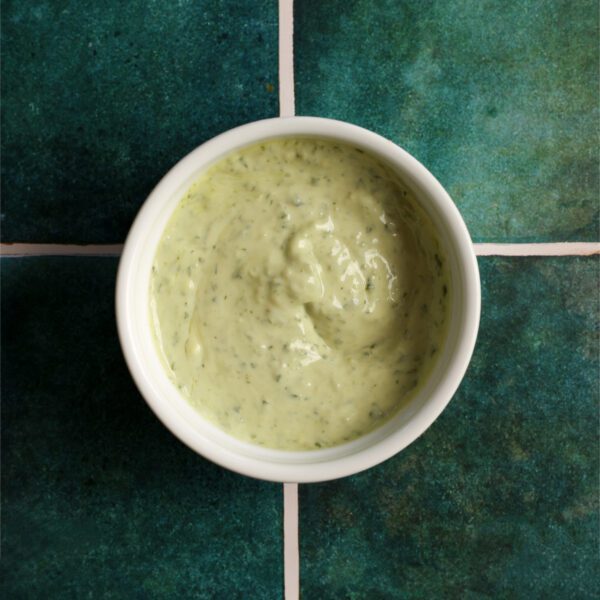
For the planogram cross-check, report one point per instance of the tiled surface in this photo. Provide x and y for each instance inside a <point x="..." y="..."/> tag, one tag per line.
<point x="100" y="99"/>
<point x="499" y="99"/>
<point x="499" y="498"/>
<point x="98" y="499"/>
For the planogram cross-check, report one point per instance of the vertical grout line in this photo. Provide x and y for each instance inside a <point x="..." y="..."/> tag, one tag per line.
<point x="291" y="553"/>
<point x="286" y="58"/>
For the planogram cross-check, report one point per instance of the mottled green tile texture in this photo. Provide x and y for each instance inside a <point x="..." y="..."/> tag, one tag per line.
<point x="99" y="500"/>
<point x="499" y="99"/>
<point x="499" y="498"/>
<point x="101" y="98"/>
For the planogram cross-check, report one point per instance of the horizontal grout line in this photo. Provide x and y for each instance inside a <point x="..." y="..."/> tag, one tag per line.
<point x="61" y="249"/>
<point x="547" y="249"/>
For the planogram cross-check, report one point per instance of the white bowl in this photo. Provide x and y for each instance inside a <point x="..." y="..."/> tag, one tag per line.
<point x="132" y="305"/>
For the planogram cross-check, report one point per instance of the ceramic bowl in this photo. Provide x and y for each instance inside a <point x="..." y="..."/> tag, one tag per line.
<point x="132" y="306"/>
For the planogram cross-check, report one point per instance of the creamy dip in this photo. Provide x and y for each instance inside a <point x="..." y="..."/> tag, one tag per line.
<point x="299" y="295"/>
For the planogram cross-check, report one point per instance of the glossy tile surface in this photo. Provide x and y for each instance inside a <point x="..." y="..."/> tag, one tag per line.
<point x="100" y="99"/>
<point x="99" y="500"/>
<point x="499" y="99"/>
<point x="499" y="498"/>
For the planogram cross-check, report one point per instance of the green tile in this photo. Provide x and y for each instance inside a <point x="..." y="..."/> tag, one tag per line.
<point x="99" y="500"/>
<point x="101" y="98"/>
<point x="499" y="498"/>
<point x="499" y="99"/>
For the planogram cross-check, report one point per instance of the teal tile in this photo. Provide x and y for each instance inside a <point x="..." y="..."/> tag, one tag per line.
<point x="499" y="498"/>
<point x="101" y="98"/>
<point x="499" y="99"/>
<point x="99" y="500"/>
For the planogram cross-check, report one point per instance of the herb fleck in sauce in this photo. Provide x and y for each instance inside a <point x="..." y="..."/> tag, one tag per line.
<point x="299" y="295"/>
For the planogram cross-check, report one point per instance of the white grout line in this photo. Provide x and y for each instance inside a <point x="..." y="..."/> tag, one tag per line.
<point x="286" y="58"/>
<point x="291" y="554"/>
<point x="551" y="249"/>
<point x="61" y="249"/>
<point x="548" y="249"/>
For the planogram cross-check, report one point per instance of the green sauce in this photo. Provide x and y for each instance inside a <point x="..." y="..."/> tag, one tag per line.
<point x="299" y="295"/>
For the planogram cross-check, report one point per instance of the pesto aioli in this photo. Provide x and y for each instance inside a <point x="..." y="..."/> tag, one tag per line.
<point x="299" y="295"/>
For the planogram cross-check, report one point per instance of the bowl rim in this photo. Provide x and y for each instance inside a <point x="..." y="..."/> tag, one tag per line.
<point x="320" y="469"/>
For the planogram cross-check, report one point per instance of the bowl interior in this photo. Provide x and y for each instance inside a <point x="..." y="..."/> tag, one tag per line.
<point x="201" y="435"/>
